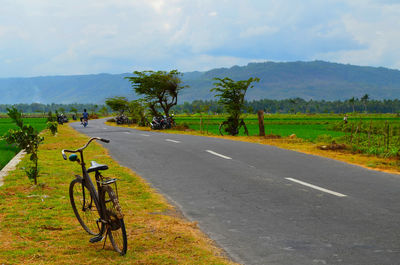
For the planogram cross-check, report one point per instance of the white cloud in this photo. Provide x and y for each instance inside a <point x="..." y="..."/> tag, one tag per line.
<point x="378" y="35"/>
<point x="75" y="37"/>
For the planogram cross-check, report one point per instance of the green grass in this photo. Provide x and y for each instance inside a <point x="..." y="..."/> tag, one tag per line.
<point x="307" y="127"/>
<point x="8" y="151"/>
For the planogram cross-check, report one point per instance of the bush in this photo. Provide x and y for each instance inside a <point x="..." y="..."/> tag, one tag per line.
<point x="27" y="138"/>
<point x="52" y="126"/>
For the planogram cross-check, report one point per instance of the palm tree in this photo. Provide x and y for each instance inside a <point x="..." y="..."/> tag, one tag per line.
<point x="293" y="102"/>
<point x="364" y="100"/>
<point x="352" y="101"/>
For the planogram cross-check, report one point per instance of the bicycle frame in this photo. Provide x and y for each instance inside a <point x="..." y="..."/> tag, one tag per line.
<point x="86" y="178"/>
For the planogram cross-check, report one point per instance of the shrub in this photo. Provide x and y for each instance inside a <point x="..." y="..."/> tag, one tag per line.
<point x="52" y="126"/>
<point x="25" y="137"/>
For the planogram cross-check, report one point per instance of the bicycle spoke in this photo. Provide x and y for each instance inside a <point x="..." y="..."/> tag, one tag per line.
<point x="84" y="207"/>
<point x="116" y="232"/>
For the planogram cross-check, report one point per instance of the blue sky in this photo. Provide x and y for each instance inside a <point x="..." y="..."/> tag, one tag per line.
<point x="54" y="37"/>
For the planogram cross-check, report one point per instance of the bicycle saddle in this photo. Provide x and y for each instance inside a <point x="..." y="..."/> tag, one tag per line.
<point x="95" y="167"/>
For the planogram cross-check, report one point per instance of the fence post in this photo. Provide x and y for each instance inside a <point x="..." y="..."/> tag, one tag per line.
<point x="261" y="122"/>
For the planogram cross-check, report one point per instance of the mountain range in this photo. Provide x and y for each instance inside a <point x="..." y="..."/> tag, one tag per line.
<point x="278" y="80"/>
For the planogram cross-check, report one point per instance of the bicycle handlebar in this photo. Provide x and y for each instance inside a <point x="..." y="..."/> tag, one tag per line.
<point x="83" y="147"/>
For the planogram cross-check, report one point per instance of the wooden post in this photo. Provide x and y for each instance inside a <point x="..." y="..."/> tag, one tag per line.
<point x="261" y="122"/>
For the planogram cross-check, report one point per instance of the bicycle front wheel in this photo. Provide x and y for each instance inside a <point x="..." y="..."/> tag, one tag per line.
<point x="84" y="206"/>
<point x="114" y="217"/>
<point x="222" y="128"/>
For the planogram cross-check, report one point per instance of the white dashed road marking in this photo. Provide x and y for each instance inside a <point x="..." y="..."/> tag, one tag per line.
<point x="142" y="134"/>
<point x="316" y="187"/>
<point x="216" y="154"/>
<point x="174" y="141"/>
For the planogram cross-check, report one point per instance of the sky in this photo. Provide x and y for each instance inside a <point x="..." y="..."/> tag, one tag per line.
<point x="58" y="37"/>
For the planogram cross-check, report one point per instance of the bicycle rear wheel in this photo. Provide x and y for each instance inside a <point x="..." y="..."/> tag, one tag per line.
<point x="114" y="217"/>
<point x="84" y="206"/>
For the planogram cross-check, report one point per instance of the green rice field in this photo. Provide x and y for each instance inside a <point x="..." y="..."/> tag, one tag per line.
<point x="8" y="151"/>
<point x="308" y="127"/>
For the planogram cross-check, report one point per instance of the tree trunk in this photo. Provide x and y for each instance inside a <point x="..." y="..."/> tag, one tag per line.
<point x="261" y="122"/>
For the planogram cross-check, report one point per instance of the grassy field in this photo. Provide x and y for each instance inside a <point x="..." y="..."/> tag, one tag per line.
<point x="38" y="226"/>
<point x="307" y="127"/>
<point x="6" y="151"/>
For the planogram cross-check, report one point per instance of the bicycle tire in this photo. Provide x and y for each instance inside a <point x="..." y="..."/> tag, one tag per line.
<point x="87" y="214"/>
<point x="114" y="217"/>
<point x="222" y="128"/>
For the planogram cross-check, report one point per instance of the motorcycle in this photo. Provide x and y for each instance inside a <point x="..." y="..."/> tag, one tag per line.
<point x="84" y="122"/>
<point x="61" y="119"/>
<point x="157" y="123"/>
<point x="122" y="119"/>
<point x="162" y="122"/>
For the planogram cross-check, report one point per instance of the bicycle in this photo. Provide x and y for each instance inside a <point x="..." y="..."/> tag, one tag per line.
<point x="98" y="211"/>
<point x="226" y="126"/>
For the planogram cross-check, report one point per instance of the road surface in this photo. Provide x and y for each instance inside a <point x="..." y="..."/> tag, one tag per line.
<point x="266" y="205"/>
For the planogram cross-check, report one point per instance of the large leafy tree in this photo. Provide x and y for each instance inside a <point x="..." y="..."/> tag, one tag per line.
<point x="120" y="104"/>
<point x="160" y="89"/>
<point x="231" y="95"/>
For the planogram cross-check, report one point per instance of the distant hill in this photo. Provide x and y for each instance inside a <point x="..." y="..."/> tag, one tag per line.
<point x="308" y="80"/>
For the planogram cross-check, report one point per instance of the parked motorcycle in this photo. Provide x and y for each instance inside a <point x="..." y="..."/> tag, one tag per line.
<point x="61" y="119"/>
<point x="162" y="122"/>
<point x="122" y="119"/>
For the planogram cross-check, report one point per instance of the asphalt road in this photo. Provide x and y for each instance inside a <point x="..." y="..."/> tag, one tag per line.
<point x="266" y="205"/>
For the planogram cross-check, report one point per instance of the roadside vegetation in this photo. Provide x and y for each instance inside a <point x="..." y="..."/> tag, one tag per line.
<point x="38" y="226"/>
<point x="8" y="151"/>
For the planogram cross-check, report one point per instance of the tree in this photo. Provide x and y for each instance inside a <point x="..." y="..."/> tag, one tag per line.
<point x="119" y="104"/>
<point x="74" y="110"/>
<point x="231" y="95"/>
<point x="103" y="111"/>
<point x="26" y="138"/>
<point x="352" y="102"/>
<point x="137" y="111"/>
<point x="160" y="89"/>
<point x="364" y="100"/>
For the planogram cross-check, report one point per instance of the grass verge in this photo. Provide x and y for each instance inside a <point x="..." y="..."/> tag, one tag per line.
<point x="37" y="224"/>
<point x="389" y="165"/>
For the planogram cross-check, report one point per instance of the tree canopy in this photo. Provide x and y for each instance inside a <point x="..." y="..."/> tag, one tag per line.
<point x="120" y="104"/>
<point x="160" y="89"/>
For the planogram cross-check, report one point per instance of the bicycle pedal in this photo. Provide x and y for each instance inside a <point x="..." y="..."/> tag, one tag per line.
<point x="96" y="239"/>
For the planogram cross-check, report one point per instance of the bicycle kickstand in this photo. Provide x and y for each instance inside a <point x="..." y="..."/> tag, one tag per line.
<point x="105" y="237"/>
